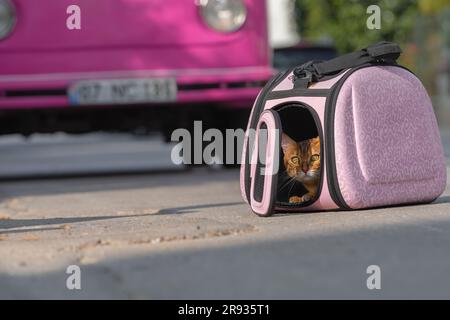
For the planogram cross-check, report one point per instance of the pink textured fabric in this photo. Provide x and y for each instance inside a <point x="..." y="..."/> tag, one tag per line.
<point x="327" y="84"/>
<point x="387" y="144"/>
<point x="285" y="84"/>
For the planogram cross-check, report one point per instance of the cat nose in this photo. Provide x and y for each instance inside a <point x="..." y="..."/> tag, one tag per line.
<point x="305" y="170"/>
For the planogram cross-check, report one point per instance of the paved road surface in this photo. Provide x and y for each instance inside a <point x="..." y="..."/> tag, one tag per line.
<point x="163" y="234"/>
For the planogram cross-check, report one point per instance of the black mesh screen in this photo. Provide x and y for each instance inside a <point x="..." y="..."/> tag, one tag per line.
<point x="260" y="178"/>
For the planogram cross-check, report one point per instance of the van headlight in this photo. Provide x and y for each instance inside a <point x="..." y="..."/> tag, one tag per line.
<point x="223" y="15"/>
<point x="7" y="18"/>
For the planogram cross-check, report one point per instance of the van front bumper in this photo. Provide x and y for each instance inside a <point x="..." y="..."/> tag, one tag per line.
<point x="231" y="86"/>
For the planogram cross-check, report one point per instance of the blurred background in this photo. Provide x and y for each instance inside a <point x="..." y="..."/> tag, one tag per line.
<point x="201" y="60"/>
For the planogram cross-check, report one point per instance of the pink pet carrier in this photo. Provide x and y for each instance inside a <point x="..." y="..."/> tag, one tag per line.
<point x="380" y="143"/>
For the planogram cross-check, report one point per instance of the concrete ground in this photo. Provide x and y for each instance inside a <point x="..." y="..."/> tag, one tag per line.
<point x="157" y="232"/>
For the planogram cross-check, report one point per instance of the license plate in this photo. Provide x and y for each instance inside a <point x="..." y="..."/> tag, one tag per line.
<point x="122" y="91"/>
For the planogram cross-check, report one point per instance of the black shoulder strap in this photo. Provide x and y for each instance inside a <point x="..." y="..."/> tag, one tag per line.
<point x="384" y="52"/>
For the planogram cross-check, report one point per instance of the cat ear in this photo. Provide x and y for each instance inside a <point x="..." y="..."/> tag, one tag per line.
<point x="315" y="141"/>
<point x="287" y="142"/>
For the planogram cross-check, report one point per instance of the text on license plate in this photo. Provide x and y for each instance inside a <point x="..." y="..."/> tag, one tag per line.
<point x="123" y="91"/>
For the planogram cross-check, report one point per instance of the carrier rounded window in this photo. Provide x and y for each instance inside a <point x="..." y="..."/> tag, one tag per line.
<point x="300" y="174"/>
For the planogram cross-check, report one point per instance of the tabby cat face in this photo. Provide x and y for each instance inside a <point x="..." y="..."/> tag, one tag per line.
<point x="302" y="159"/>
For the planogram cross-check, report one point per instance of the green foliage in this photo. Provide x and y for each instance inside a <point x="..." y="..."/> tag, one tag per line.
<point x="431" y="7"/>
<point x="344" y="21"/>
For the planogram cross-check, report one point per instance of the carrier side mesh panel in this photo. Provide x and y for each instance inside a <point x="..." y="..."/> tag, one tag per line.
<point x="259" y="177"/>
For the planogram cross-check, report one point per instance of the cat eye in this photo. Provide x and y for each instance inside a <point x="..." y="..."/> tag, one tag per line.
<point x="295" y="160"/>
<point x="315" y="157"/>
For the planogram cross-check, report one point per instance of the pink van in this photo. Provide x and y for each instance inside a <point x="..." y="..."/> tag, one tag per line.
<point x="83" y="65"/>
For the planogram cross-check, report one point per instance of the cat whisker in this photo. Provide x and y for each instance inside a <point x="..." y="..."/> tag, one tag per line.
<point x="285" y="184"/>
<point x="289" y="192"/>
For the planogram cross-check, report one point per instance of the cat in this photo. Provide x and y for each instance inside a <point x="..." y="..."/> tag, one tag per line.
<point x="302" y="162"/>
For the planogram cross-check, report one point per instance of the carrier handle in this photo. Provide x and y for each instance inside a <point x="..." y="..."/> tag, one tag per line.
<point x="384" y="52"/>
